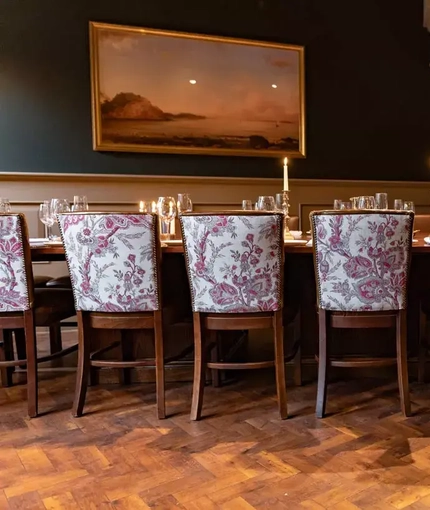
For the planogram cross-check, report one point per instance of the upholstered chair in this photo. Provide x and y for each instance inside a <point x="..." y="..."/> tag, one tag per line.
<point x="23" y="307"/>
<point x="235" y="269"/>
<point x="362" y="267"/>
<point x="114" y="265"/>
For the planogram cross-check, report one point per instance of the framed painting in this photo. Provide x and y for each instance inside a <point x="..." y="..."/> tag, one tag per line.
<point x="172" y="92"/>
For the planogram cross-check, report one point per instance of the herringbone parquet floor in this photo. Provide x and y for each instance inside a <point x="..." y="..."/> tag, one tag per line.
<point x="240" y="456"/>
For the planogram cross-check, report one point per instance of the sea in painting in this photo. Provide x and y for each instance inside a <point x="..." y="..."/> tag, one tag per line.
<point x="187" y="93"/>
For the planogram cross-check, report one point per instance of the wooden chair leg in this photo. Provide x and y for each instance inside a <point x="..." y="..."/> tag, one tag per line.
<point x="6" y="354"/>
<point x="423" y="347"/>
<point x="322" y="364"/>
<point x="55" y="342"/>
<point x="281" y="387"/>
<point x="159" y="365"/>
<point x="199" y="369"/>
<point x="402" y="363"/>
<point x="32" y="379"/>
<point x="84" y="351"/>
<point x="127" y="355"/>
<point x="215" y="357"/>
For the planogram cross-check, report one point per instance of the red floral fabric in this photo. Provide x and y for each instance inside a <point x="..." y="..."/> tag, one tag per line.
<point x="362" y="260"/>
<point x="13" y="279"/>
<point x="234" y="262"/>
<point x="111" y="261"/>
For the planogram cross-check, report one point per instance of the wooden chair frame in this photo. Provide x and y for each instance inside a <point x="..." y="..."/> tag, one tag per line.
<point x="329" y="320"/>
<point x="207" y="324"/>
<point x="89" y="362"/>
<point x="25" y="335"/>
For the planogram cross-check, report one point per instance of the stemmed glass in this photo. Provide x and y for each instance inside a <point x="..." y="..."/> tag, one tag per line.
<point x="266" y="203"/>
<point x="366" y="202"/>
<point x="279" y="202"/>
<point x="184" y="203"/>
<point x="246" y="205"/>
<point x="46" y="217"/>
<point x="5" y="205"/>
<point x="381" y="201"/>
<point x="398" y="204"/>
<point x="145" y="207"/>
<point x="167" y="211"/>
<point x="409" y="206"/>
<point x="80" y="203"/>
<point x="58" y="206"/>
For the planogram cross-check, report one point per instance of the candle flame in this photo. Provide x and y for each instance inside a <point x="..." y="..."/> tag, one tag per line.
<point x="285" y="161"/>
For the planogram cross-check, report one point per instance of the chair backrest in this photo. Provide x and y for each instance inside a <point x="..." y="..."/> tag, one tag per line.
<point x="234" y="261"/>
<point x="16" y="275"/>
<point x="113" y="260"/>
<point x="362" y="259"/>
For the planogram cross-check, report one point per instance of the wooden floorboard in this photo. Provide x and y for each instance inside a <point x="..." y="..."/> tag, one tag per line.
<point x="364" y="455"/>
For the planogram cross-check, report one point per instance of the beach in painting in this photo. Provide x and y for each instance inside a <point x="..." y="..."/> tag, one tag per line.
<point x="186" y="93"/>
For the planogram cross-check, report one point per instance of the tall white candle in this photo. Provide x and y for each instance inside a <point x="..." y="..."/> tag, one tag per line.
<point x="286" y="187"/>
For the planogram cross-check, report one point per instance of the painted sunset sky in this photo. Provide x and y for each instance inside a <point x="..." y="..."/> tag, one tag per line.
<point x="231" y="80"/>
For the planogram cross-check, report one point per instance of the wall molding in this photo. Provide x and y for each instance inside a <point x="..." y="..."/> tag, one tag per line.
<point x="162" y="179"/>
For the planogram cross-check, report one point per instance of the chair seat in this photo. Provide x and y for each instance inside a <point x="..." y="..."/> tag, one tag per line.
<point x="363" y="314"/>
<point x="53" y="305"/>
<point x="41" y="281"/>
<point x="62" y="282"/>
<point x="360" y="320"/>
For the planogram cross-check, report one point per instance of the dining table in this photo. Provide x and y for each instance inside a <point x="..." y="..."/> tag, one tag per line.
<point x="299" y="296"/>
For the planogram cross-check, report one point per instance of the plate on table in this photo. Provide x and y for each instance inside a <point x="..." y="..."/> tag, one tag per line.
<point x="295" y="241"/>
<point x="172" y="242"/>
<point x="427" y="240"/>
<point x="38" y="241"/>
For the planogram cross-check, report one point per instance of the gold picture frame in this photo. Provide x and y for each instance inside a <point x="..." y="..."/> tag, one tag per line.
<point x="172" y="92"/>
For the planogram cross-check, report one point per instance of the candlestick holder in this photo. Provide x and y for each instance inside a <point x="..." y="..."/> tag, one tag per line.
<point x="285" y="209"/>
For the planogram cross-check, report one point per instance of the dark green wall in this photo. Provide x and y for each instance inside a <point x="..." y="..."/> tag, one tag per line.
<point x="367" y="80"/>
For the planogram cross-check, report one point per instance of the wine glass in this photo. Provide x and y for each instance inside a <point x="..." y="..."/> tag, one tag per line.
<point x="46" y="217"/>
<point x="345" y="206"/>
<point x="366" y="202"/>
<point x="145" y="206"/>
<point x="184" y="203"/>
<point x="409" y="206"/>
<point x="80" y="203"/>
<point x="279" y="202"/>
<point x="398" y="204"/>
<point x="5" y="205"/>
<point x="247" y="205"/>
<point x="381" y="201"/>
<point x="354" y="202"/>
<point x="337" y="204"/>
<point x="58" y="206"/>
<point x="167" y="211"/>
<point x="266" y="203"/>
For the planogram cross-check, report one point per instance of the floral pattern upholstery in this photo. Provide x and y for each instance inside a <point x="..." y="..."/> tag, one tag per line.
<point x="234" y="262"/>
<point x="13" y="277"/>
<point x="112" y="261"/>
<point x="362" y="260"/>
